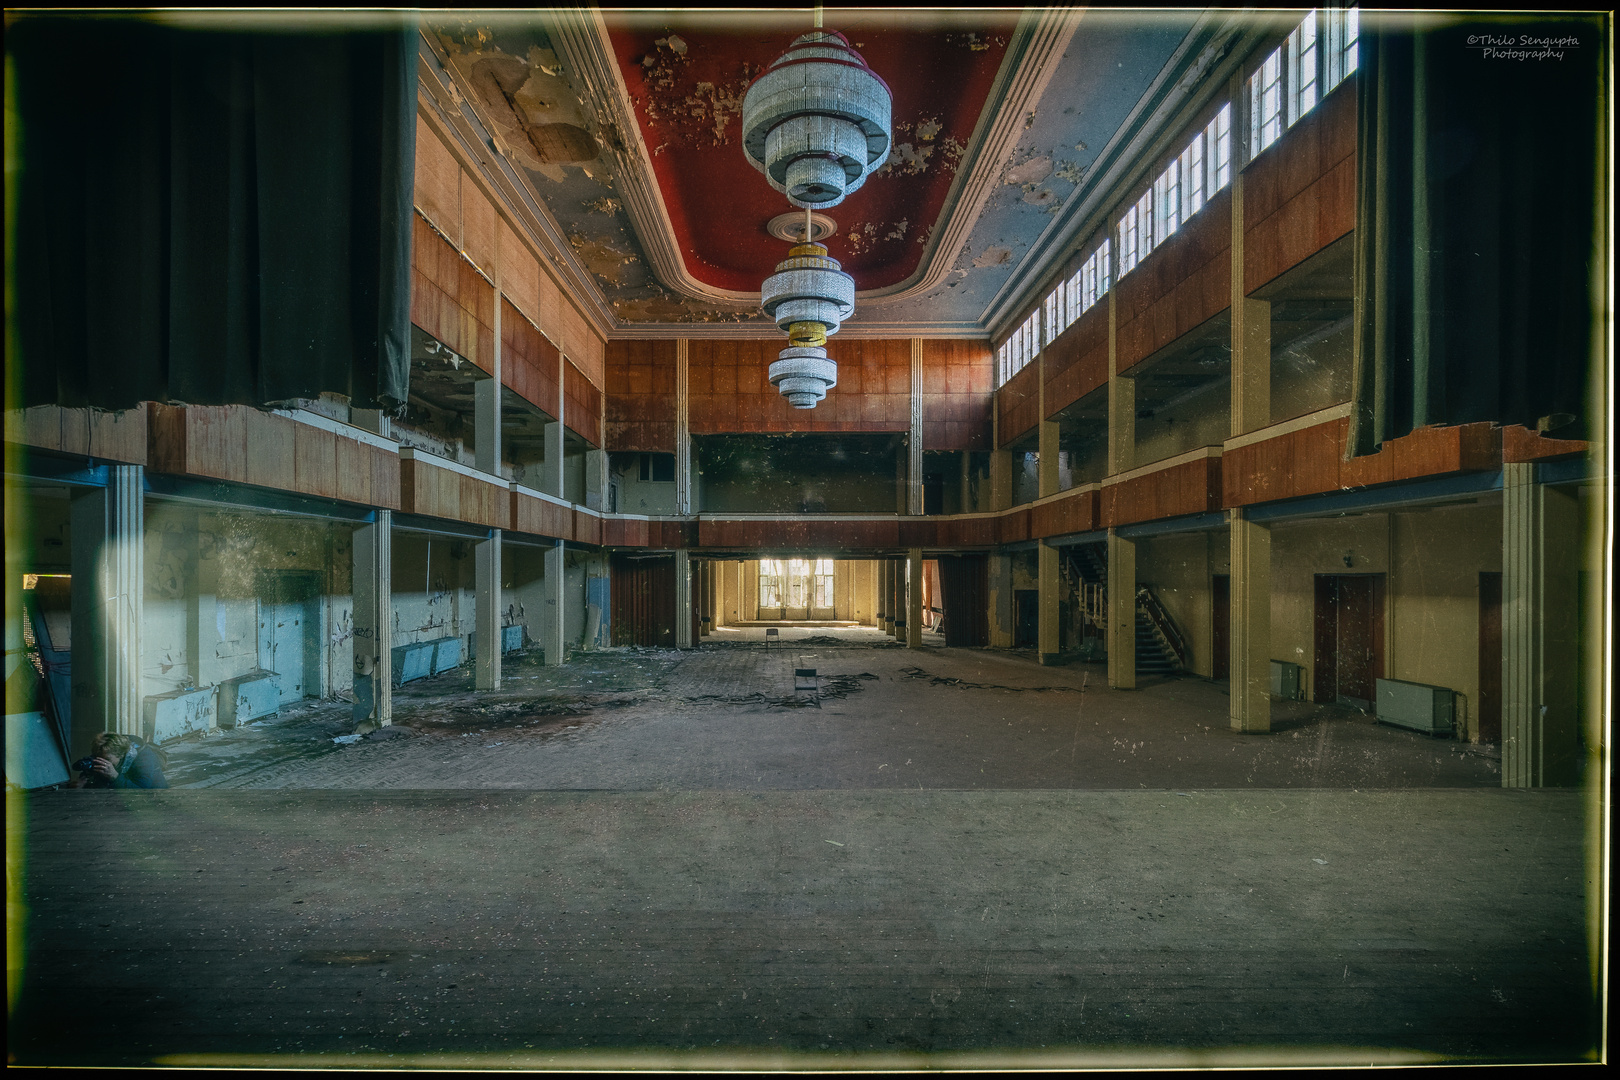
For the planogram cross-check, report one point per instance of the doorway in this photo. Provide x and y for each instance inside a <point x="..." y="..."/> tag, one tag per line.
<point x="289" y="631"/>
<point x="796" y="590"/>
<point x="1027" y="632"/>
<point x="1349" y="638"/>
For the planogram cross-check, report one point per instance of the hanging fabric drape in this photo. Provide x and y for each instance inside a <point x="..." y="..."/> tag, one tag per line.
<point x="1475" y="262"/>
<point x="213" y="218"/>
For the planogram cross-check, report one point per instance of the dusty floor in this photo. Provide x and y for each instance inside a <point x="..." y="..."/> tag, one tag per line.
<point x="942" y="859"/>
<point x="727" y="717"/>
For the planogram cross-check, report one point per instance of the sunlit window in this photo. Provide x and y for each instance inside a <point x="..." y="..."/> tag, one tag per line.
<point x="1319" y="53"/>
<point x="770" y="583"/>
<point x="824" y="583"/>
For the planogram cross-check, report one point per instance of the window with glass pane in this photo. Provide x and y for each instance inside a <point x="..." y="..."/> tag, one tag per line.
<point x="770" y="583"/>
<point x="1192" y="174"/>
<point x="1265" y="104"/>
<point x="1302" y="64"/>
<point x="1340" y="27"/>
<point x="824" y="583"/>
<point x="798" y="583"/>
<point x="1219" y="134"/>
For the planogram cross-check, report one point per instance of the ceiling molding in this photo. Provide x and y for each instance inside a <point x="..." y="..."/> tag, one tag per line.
<point x="454" y="116"/>
<point x="766" y="332"/>
<point x="1208" y="55"/>
<point x="1033" y="53"/>
<point x="582" y="43"/>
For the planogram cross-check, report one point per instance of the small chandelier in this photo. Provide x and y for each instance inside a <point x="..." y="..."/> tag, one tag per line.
<point x="816" y="123"/>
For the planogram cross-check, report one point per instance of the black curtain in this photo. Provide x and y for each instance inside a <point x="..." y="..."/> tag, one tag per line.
<point x="1478" y="217"/>
<point x="212" y="217"/>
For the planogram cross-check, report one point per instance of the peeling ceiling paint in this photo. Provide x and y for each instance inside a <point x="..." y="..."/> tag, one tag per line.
<point x="686" y="73"/>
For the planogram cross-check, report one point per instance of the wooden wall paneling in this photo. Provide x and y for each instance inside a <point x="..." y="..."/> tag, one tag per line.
<point x="475" y="296"/>
<point x="315" y="461"/>
<point x="1184" y="283"/>
<point x="640" y="382"/>
<point x="957" y="399"/>
<point x="1019" y="404"/>
<point x="480" y="229"/>
<point x="1077" y="362"/>
<point x="520" y="271"/>
<point x="1522" y="444"/>
<point x="108" y="436"/>
<point x="582" y="409"/>
<point x="386" y="479"/>
<point x="269" y="448"/>
<point x="1300" y="194"/>
<point x="437" y="182"/>
<point x="1013" y="527"/>
<point x="918" y="532"/>
<point x="351" y="470"/>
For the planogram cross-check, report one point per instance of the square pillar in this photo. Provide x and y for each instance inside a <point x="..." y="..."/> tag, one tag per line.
<point x="551" y="467"/>
<point x="897" y="596"/>
<point x="914" y="598"/>
<point x="1121" y="612"/>
<point x="683" y="599"/>
<point x="550" y="630"/>
<point x="1001" y="480"/>
<point x="1048" y="459"/>
<point x="1541" y="553"/>
<point x="596" y="479"/>
<point x="1002" y="615"/>
<point x="108" y="599"/>
<point x="705" y="597"/>
<point x="1050" y="586"/>
<point x="487" y="426"/>
<point x="374" y="622"/>
<point x="1250" y="686"/>
<point x="487" y="608"/>
<point x="1251" y="335"/>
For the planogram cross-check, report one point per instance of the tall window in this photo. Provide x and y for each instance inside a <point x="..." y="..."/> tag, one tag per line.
<point x="770" y="583"/>
<point x="1319" y="53"/>
<point x="1096" y="276"/>
<point x="823" y="588"/>
<point x="798" y="583"/>
<point x="1266" y="104"/>
<point x="1341" y="28"/>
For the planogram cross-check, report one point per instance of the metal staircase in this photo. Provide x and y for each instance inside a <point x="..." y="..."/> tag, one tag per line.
<point x="1160" y="647"/>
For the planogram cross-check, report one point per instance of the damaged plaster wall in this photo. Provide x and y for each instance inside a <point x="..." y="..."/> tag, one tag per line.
<point x="433" y="588"/>
<point x="207" y="574"/>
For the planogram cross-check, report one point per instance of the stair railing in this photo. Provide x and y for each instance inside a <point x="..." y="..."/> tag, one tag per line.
<point x="1159" y="619"/>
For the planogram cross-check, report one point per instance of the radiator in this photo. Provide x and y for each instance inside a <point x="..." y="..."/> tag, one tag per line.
<point x="1429" y="709"/>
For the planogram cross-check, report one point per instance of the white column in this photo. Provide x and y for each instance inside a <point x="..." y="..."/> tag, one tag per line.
<point x="683" y="599"/>
<point x="487" y="607"/>
<point x="1250" y="667"/>
<point x="1121" y="612"/>
<point x="914" y="598"/>
<point x="914" y="443"/>
<point x="1541" y="549"/>
<point x="683" y="434"/>
<point x="374" y="621"/>
<point x="550" y="633"/>
<point x="108" y="602"/>
<point x="596" y="479"/>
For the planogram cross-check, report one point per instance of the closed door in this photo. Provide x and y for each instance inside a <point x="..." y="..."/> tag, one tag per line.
<point x="1349" y="637"/>
<point x="286" y="623"/>
<point x="1028" y="602"/>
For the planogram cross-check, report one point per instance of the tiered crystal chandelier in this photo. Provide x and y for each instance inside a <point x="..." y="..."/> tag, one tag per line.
<point x="816" y="123"/>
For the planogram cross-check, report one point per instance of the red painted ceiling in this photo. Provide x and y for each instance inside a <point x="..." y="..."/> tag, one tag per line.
<point x="688" y="95"/>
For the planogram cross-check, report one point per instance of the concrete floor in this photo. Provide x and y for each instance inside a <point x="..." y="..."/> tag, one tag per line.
<point x="950" y="858"/>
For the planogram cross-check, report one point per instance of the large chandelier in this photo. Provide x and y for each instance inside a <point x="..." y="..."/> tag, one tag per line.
<point x="816" y="123"/>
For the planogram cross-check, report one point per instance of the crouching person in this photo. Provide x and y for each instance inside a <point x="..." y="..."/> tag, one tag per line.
<point x="120" y="761"/>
